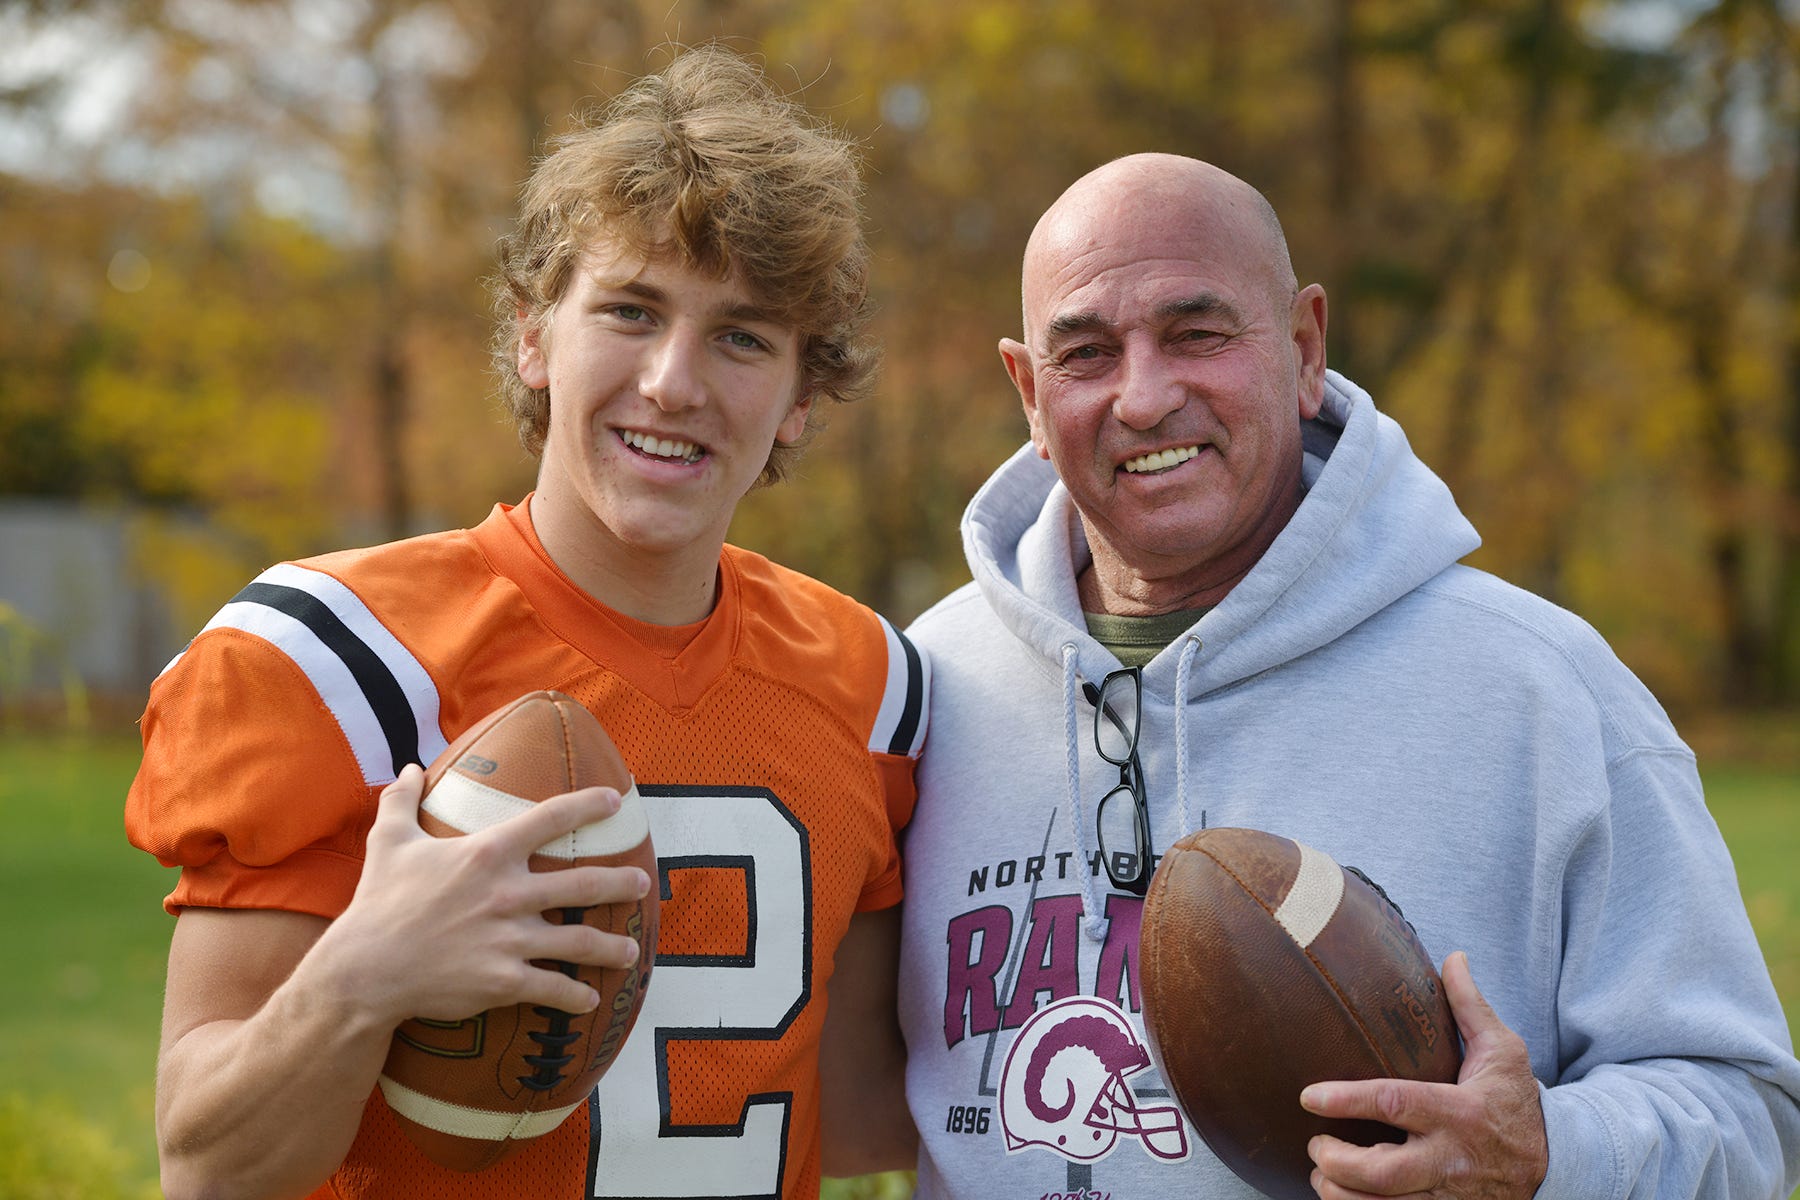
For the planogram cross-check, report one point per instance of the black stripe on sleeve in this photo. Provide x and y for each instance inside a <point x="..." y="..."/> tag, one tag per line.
<point x="902" y="741"/>
<point x="379" y="687"/>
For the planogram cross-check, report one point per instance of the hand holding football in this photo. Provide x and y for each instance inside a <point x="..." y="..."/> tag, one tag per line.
<point x="468" y="1092"/>
<point x="1265" y="966"/>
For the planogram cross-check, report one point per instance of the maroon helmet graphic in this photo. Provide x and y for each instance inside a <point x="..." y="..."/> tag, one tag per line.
<point x="1063" y="1086"/>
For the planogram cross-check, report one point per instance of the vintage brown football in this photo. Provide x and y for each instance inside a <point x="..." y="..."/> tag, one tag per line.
<point x="1265" y="966"/>
<point x="469" y="1092"/>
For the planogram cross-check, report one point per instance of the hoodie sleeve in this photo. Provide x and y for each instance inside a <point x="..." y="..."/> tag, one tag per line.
<point x="1671" y="1083"/>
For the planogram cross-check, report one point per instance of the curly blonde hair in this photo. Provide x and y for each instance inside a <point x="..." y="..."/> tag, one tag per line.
<point x="707" y="163"/>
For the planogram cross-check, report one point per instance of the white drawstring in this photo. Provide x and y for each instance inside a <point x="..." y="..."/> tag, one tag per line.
<point x="1190" y="646"/>
<point x="1095" y="923"/>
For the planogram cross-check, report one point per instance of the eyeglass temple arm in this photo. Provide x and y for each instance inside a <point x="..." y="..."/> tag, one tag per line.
<point x="1093" y="697"/>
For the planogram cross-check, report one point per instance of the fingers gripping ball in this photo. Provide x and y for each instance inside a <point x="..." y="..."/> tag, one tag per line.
<point x="469" y="1092"/>
<point x="1265" y="966"/>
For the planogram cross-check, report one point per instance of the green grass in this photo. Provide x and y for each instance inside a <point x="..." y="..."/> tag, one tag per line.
<point x="83" y="937"/>
<point x="1758" y="810"/>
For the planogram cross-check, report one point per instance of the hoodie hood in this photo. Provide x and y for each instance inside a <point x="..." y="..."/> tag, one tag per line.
<point x="1375" y="524"/>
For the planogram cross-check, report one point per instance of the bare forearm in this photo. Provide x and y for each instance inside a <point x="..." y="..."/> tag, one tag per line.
<point x="268" y="1106"/>
<point x="276" y="1023"/>
<point x="864" y="1122"/>
<point x="874" y="1132"/>
<point x="270" y="1048"/>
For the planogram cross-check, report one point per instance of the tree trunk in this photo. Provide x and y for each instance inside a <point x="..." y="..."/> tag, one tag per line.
<point x="388" y="372"/>
<point x="1343" y="184"/>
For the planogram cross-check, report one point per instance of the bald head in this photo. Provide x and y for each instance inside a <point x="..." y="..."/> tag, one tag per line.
<point x="1145" y="197"/>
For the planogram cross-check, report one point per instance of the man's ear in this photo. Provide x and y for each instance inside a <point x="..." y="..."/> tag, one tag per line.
<point x="1018" y="368"/>
<point x="534" y="367"/>
<point x="1309" y="314"/>
<point x="794" y="424"/>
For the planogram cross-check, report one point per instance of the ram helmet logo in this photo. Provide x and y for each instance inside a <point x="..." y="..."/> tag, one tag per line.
<point x="1063" y="1086"/>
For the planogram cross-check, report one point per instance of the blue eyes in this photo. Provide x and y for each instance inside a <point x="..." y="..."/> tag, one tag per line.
<point x="637" y="314"/>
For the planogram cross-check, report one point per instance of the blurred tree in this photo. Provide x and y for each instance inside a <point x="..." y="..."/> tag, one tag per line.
<point x="1562" y="251"/>
<point x="340" y="101"/>
<point x="142" y="361"/>
<point x="1710" y="256"/>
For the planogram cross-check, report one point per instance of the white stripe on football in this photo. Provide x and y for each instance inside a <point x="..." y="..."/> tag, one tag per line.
<point x="1310" y="903"/>
<point x="478" y="1123"/>
<point x="470" y="807"/>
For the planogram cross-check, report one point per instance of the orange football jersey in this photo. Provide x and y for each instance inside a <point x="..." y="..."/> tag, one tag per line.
<point x="773" y="744"/>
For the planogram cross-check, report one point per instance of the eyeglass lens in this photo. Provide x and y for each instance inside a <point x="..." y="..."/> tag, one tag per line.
<point x="1120" y="840"/>
<point x="1116" y="717"/>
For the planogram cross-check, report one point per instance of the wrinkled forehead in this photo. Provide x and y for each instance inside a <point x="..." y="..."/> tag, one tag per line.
<point x="1151" y="241"/>
<point x="1119" y="276"/>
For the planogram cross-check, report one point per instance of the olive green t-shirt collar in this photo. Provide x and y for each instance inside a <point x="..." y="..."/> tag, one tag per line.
<point x="1134" y="641"/>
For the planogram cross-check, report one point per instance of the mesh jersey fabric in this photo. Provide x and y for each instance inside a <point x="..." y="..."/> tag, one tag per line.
<point x="775" y="752"/>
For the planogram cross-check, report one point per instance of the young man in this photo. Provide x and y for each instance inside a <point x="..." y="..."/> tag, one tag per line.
<point x="1208" y="512"/>
<point x="684" y="290"/>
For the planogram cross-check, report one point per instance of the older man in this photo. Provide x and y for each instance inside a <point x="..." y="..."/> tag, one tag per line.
<point x="1208" y="518"/>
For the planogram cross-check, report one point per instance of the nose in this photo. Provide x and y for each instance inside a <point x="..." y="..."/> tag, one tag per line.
<point x="673" y="375"/>
<point x="1149" y="385"/>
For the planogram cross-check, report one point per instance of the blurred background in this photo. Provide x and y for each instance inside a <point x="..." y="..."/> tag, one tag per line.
<point x="242" y="252"/>
<point x="243" y="317"/>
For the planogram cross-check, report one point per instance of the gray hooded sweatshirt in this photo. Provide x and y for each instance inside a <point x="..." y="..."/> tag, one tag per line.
<point x="1474" y="749"/>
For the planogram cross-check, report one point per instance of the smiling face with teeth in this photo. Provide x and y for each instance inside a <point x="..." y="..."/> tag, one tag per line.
<point x="1169" y="361"/>
<point x="668" y="389"/>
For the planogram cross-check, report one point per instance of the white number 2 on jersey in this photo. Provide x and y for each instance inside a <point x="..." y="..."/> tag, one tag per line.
<point x="636" y="1150"/>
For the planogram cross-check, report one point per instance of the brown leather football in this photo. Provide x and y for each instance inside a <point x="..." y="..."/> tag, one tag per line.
<point x="1265" y="966"/>
<point x="469" y="1092"/>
